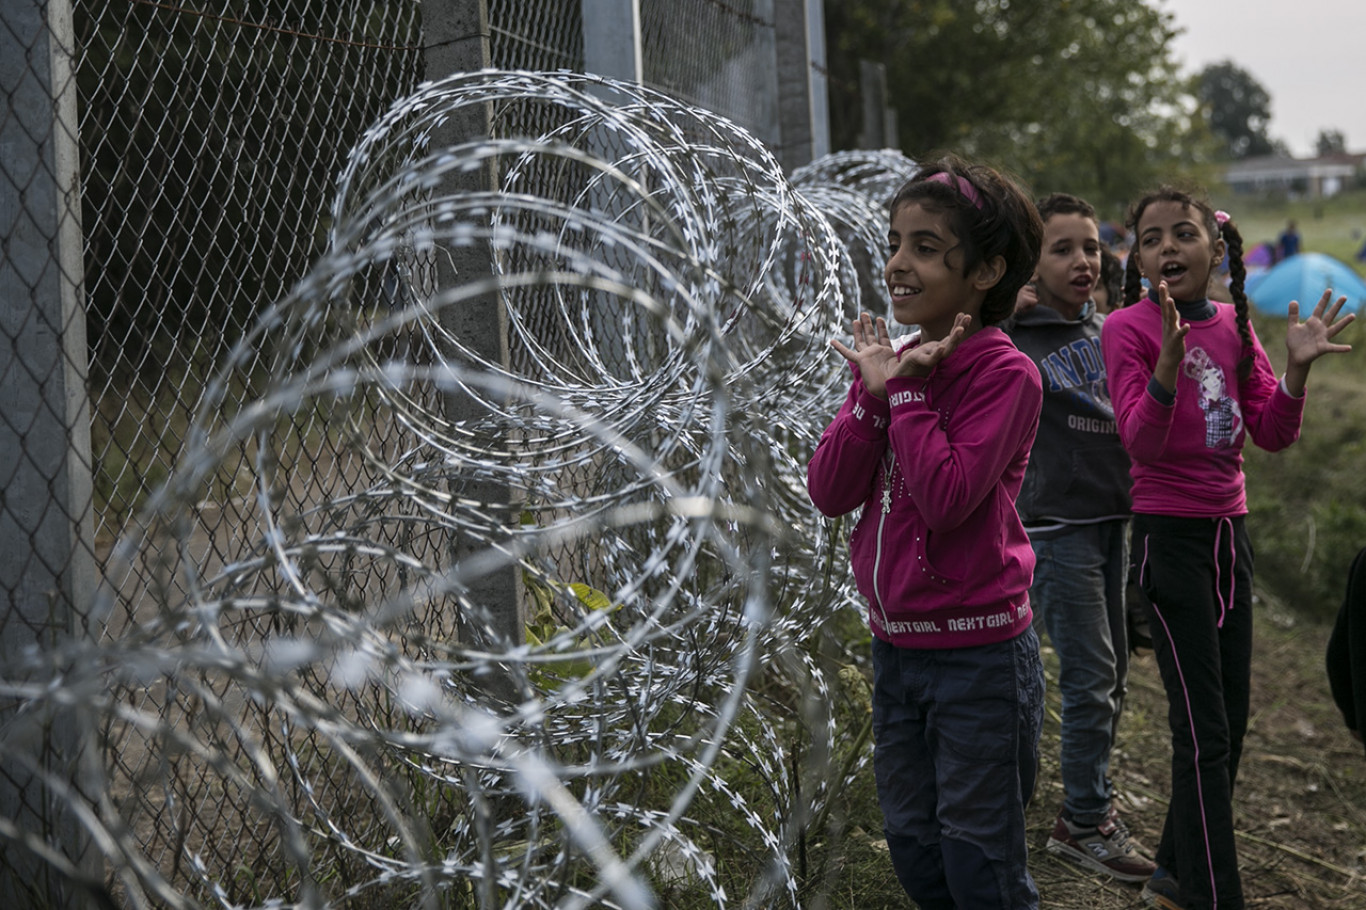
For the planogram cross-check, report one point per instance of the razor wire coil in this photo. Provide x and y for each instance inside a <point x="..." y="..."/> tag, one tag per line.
<point x="324" y="672"/>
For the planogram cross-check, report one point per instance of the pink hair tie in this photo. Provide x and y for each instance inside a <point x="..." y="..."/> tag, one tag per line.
<point x="1221" y="217"/>
<point x="962" y="184"/>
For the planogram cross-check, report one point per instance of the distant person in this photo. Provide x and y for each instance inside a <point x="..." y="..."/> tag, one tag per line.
<point x="1075" y="506"/>
<point x="1289" y="241"/>
<point x="930" y="447"/>
<point x="1191" y="385"/>
<point x="1110" y="234"/>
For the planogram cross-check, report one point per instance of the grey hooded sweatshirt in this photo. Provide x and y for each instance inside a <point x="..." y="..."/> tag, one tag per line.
<point x="1078" y="471"/>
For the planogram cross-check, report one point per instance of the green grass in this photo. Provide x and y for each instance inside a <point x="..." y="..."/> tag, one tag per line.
<point x="1307" y="503"/>
<point x="1335" y="226"/>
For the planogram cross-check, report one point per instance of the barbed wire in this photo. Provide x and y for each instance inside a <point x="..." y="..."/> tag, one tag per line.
<point x="532" y="636"/>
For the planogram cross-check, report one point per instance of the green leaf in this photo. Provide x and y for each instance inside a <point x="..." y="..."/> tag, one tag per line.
<point x="592" y="598"/>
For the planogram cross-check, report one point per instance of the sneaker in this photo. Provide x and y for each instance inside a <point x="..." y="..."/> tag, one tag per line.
<point x="1104" y="848"/>
<point x="1163" y="891"/>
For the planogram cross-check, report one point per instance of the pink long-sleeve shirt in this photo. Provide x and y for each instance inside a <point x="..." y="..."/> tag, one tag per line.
<point x="1188" y="454"/>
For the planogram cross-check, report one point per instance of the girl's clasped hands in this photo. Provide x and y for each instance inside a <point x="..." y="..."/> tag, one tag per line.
<point x="878" y="361"/>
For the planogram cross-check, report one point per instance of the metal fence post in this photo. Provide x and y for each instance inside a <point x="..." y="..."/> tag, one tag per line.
<point x="879" y="118"/>
<point x="795" y="115"/>
<point x="803" y="109"/>
<point x="47" y="559"/>
<point x="457" y="40"/>
<point x="819" y="74"/>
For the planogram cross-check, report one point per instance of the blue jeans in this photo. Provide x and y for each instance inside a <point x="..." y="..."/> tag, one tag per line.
<point x="956" y="754"/>
<point x="1079" y="581"/>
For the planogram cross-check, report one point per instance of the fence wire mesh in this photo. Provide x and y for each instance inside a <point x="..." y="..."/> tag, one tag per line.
<point x="447" y="444"/>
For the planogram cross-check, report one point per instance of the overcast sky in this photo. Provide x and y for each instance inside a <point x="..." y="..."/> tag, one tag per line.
<point x="1309" y="55"/>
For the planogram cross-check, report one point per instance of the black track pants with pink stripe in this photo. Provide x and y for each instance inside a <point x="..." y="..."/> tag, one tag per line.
<point x="1197" y="575"/>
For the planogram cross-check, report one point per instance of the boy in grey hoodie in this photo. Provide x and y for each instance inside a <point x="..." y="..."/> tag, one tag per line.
<point x="1075" y="506"/>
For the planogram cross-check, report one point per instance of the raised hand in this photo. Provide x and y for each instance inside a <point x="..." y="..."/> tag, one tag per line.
<point x="871" y="352"/>
<point x="924" y="357"/>
<point x="1307" y="341"/>
<point x="1174" y="333"/>
<point x="877" y="360"/>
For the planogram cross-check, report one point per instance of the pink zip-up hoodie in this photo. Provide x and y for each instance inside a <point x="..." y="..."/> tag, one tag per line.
<point x="939" y="551"/>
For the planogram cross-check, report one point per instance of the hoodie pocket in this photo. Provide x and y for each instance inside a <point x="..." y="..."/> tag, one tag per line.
<point x="973" y="556"/>
<point x="947" y="559"/>
<point x="938" y="558"/>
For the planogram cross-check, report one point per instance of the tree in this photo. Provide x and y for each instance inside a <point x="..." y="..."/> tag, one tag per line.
<point x="1238" y="109"/>
<point x="1079" y="96"/>
<point x="1330" y="142"/>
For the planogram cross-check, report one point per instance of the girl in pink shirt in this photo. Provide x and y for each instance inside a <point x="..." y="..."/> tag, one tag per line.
<point x="931" y="444"/>
<point x="1190" y="384"/>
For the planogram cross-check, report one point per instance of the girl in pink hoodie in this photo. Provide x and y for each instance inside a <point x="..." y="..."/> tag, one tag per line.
<point x="932" y="442"/>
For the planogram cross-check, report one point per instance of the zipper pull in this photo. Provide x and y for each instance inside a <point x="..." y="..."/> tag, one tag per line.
<point x="888" y="466"/>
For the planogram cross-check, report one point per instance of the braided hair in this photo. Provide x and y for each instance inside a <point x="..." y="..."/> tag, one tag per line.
<point x="1217" y="224"/>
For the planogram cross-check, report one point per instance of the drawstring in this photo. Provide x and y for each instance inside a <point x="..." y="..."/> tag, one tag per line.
<point x="1143" y="566"/>
<point x="1225" y="605"/>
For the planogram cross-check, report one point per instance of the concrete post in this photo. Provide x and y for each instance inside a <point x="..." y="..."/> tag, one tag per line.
<point x="819" y="74"/>
<point x="873" y="91"/>
<point x="611" y="39"/>
<point x="764" y="115"/>
<point x="795" y="96"/>
<point x="457" y="41"/>
<point x="47" y="562"/>
<point x="612" y="47"/>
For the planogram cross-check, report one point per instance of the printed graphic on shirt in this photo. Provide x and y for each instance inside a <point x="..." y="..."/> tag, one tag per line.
<point x="1078" y="368"/>
<point x="1223" y="417"/>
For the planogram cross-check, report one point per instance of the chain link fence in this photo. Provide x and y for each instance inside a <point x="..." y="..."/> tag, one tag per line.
<point x="169" y="177"/>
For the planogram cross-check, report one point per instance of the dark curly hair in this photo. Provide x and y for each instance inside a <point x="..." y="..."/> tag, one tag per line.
<point x="1002" y="221"/>
<point x="1215" y="227"/>
<point x="1111" y="277"/>
<point x="1065" y="204"/>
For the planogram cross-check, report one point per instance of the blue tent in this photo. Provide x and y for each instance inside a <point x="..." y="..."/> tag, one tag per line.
<point x="1304" y="277"/>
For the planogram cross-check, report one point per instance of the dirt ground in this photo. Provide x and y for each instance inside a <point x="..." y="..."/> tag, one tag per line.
<point x="1301" y="794"/>
<point x="1300" y="798"/>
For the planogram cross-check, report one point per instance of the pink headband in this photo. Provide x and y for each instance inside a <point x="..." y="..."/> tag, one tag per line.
<point x="963" y="185"/>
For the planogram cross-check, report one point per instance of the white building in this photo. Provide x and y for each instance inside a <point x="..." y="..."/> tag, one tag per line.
<point x="1296" y="177"/>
